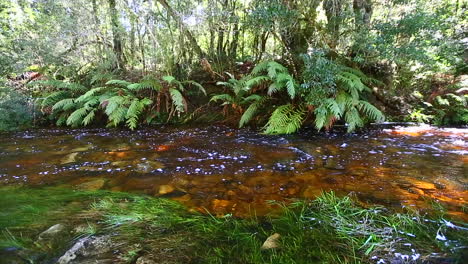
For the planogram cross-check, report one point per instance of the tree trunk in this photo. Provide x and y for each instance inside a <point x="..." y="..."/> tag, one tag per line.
<point x="184" y="28"/>
<point x="117" y="33"/>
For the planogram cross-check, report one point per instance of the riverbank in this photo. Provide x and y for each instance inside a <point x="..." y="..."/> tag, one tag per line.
<point x="44" y="225"/>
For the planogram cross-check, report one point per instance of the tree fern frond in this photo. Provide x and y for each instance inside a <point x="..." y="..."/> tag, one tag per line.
<point x="353" y="119"/>
<point x="169" y="79"/>
<point x="262" y="66"/>
<point x="101" y="77"/>
<point x="117" y="116"/>
<point x="121" y="83"/>
<point x="253" y="97"/>
<point x="113" y="104"/>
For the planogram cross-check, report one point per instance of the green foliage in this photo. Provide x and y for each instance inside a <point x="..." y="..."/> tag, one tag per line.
<point x="16" y="110"/>
<point x="119" y="100"/>
<point x="286" y="119"/>
<point x="337" y="93"/>
<point x="239" y="98"/>
<point x="277" y="76"/>
<point x="448" y="109"/>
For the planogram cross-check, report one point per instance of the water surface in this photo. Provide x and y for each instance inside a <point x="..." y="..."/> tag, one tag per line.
<point x="222" y="170"/>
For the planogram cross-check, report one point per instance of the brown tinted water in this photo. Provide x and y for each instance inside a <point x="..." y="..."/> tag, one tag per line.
<point x="221" y="170"/>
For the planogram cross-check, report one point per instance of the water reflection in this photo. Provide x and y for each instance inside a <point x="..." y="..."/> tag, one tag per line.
<point x="231" y="171"/>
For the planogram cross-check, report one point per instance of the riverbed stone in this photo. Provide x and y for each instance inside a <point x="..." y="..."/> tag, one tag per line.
<point x="70" y="158"/>
<point x="165" y="189"/>
<point x="52" y="232"/>
<point x="92" y="185"/>
<point x="271" y="242"/>
<point x="148" y="166"/>
<point x="91" y="249"/>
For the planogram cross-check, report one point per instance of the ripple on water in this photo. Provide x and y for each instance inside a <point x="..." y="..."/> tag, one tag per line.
<point x="238" y="171"/>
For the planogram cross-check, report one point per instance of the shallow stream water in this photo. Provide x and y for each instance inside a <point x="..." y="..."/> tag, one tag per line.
<point x="227" y="171"/>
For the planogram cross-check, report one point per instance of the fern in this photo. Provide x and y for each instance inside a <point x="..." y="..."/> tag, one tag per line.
<point x="76" y="118"/>
<point x="89" y="117"/>
<point x="286" y="119"/>
<point x="65" y="104"/>
<point x="146" y="84"/>
<point x="54" y="98"/>
<point x="252" y="110"/>
<point x="178" y="100"/>
<point x="120" y="83"/>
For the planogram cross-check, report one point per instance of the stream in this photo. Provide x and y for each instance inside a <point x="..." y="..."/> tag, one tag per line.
<point x="229" y="171"/>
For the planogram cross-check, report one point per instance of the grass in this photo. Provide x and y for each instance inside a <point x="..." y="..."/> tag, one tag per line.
<point x="329" y="229"/>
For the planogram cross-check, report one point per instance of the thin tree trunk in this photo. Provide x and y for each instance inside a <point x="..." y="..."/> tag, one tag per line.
<point x="116" y="32"/>
<point x="187" y="33"/>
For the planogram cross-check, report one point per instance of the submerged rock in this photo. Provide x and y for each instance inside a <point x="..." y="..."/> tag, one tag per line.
<point x="92" y="249"/>
<point x="92" y="185"/>
<point x="148" y="166"/>
<point x="271" y="242"/>
<point x="52" y="232"/>
<point x="69" y="158"/>
<point x="166" y="189"/>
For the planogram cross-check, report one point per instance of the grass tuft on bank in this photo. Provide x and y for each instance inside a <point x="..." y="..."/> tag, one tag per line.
<point x="330" y="229"/>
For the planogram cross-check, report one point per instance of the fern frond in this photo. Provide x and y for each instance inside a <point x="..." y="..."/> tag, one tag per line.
<point x="251" y="111"/>
<point x="101" y="77"/>
<point x="371" y="111"/>
<point x="169" y="79"/>
<point x="199" y="86"/>
<point x="89" y="117"/>
<point x="89" y="94"/>
<point x="257" y="81"/>
<point x="146" y="84"/>
<point x="55" y="97"/>
<point x="113" y="104"/>
<point x="120" y="83"/>
<point x="286" y="119"/>
<point x="76" y="118"/>
<point x="117" y="116"/>
<point x="65" y="104"/>
<point x="253" y="97"/>
<point x="262" y="66"/>
<point x="222" y="97"/>
<point x="178" y="100"/>
<point x="353" y="119"/>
